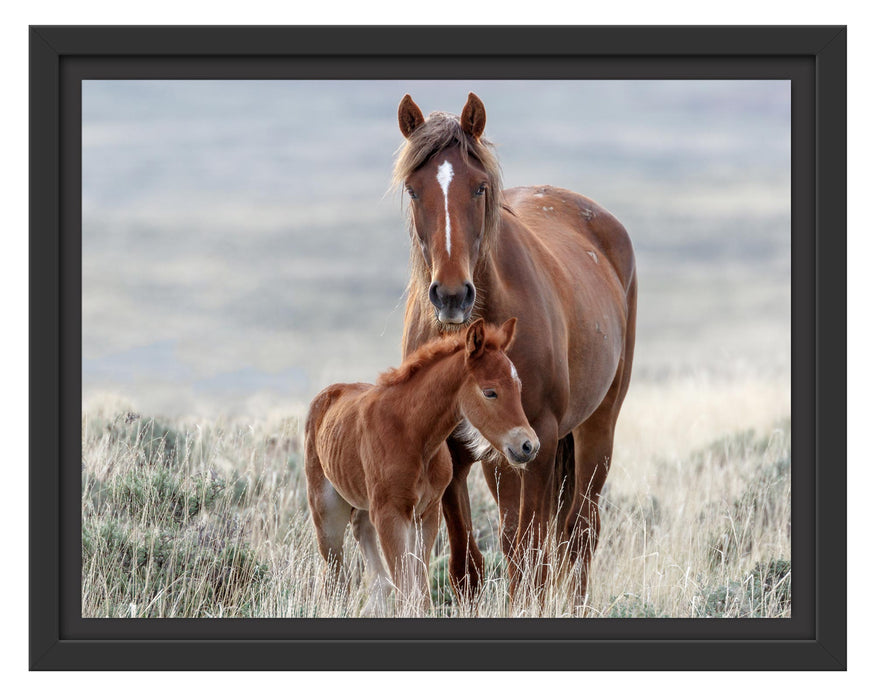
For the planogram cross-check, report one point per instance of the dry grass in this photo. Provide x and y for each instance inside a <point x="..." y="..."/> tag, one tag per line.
<point x="198" y="519"/>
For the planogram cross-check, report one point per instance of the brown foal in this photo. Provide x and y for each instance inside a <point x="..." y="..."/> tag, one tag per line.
<point x="376" y="455"/>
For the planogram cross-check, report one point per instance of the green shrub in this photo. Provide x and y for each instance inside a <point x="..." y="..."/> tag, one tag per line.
<point x="159" y="541"/>
<point x="766" y="591"/>
<point x="633" y="606"/>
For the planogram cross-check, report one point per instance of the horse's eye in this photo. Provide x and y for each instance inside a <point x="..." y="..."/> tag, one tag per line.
<point x="411" y="192"/>
<point x="490" y="394"/>
<point x="480" y="190"/>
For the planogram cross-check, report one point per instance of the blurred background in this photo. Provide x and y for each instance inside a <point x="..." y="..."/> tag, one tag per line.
<point x="242" y="249"/>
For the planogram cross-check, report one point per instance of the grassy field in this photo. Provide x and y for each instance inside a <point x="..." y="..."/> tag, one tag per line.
<point x="209" y="518"/>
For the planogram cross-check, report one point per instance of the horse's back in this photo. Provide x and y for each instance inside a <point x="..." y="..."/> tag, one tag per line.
<point x="558" y="216"/>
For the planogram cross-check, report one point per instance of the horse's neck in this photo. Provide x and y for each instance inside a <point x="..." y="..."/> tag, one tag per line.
<point x="432" y="401"/>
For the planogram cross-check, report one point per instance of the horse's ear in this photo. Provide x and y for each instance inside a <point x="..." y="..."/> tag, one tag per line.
<point x="475" y="339"/>
<point x="473" y="119"/>
<point x="409" y="116"/>
<point x="509" y="329"/>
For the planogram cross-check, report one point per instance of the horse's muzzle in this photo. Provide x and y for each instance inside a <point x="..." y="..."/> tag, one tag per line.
<point x="452" y="306"/>
<point x="523" y="451"/>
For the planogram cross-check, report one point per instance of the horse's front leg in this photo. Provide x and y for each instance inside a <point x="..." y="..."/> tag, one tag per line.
<point x="379" y="584"/>
<point x="528" y="561"/>
<point x="400" y="539"/>
<point x="466" y="561"/>
<point x="428" y="527"/>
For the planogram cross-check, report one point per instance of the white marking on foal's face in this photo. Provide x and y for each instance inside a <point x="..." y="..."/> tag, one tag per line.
<point x="514" y="374"/>
<point x="445" y="177"/>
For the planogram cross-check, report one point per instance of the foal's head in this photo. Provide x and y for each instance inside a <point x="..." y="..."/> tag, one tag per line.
<point x="490" y="397"/>
<point x="452" y="178"/>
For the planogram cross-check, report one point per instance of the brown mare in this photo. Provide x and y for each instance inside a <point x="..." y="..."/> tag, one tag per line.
<point x="376" y="454"/>
<point x="564" y="267"/>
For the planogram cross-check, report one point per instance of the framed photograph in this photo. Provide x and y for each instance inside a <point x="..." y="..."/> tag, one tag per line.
<point x="333" y="330"/>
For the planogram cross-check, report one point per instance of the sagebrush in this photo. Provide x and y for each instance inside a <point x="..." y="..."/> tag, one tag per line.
<point x="191" y="518"/>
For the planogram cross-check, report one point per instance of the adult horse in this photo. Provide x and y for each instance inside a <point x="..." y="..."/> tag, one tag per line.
<point x="562" y="265"/>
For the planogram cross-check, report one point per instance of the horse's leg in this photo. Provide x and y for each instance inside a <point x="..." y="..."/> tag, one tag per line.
<point x="330" y="514"/>
<point x="504" y="484"/>
<point x="593" y="455"/>
<point x="466" y="561"/>
<point x="527" y="507"/>
<point x="398" y="537"/>
<point x="379" y="584"/>
<point x="593" y="441"/>
<point x="429" y="525"/>
<point x="535" y="530"/>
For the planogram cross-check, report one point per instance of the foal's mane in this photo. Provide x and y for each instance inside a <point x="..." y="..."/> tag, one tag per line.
<point x="438" y="132"/>
<point x="435" y="350"/>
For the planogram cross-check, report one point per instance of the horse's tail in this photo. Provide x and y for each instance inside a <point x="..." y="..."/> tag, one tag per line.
<point x="564" y="486"/>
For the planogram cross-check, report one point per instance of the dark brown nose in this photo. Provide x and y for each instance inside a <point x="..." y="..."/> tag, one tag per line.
<point x="452" y="304"/>
<point x="444" y="297"/>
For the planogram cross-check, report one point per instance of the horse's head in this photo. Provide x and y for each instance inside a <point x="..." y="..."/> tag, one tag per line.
<point x="453" y="182"/>
<point x="490" y="398"/>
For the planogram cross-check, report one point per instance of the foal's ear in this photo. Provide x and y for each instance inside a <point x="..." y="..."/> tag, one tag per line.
<point x="475" y="339"/>
<point x="409" y="116"/>
<point x="509" y="329"/>
<point x="473" y="119"/>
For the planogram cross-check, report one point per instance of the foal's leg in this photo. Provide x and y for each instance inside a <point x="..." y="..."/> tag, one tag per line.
<point x="330" y="514"/>
<point x="430" y="524"/>
<point x="380" y="586"/>
<point x="399" y="537"/>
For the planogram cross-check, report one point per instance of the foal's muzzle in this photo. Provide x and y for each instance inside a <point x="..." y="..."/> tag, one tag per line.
<point x="452" y="305"/>
<point x="522" y="447"/>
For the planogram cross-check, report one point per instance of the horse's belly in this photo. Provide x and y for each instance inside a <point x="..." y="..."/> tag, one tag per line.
<point x="595" y="352"/>
<point x="590" y="376"/>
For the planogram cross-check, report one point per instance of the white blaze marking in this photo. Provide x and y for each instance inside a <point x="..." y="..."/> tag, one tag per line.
<point x="445" y="177"/>
<point x="514" y="373"/>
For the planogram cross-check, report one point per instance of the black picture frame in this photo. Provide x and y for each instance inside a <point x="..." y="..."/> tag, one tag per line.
<point x="812" y="57"/>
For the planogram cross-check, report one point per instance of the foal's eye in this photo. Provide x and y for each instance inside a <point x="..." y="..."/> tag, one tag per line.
<point x="480" y="190"/>
<point x="490" y="394"/>
<point x="411" y="192"/>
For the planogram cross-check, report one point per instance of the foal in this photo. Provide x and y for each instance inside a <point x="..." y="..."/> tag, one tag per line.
<point x="376" y="455"/>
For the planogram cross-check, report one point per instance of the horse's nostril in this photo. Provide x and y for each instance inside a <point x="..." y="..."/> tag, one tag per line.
<point x="469" y="295"/>
<point x="433" y="295"/>
<point x="527" y="447"/>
